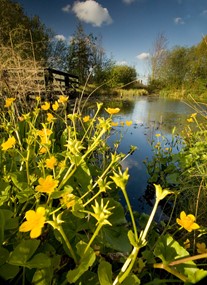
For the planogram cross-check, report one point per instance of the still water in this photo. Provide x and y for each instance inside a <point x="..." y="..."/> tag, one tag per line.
<point x="149" y="116"/>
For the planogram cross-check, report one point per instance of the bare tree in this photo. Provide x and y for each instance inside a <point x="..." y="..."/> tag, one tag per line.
<point x="158" y="55"/>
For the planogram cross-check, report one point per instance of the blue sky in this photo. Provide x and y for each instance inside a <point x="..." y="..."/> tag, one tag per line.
<point x="128" y="27"/>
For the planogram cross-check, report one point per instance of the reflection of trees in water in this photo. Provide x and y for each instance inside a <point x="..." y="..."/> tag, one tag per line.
<point x="125" y="106"/>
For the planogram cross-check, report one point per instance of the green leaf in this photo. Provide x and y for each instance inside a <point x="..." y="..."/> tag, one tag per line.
<point x="116" y="238"/>
<point x="4" y="254"/>
<point x="194" y="277"/>
<point x="105" y="273"/>
<point x="87" y="260"/>
<point x="42" y="276"/>
<point x="168" y="250"/>
<point x="118" y="217"/>
<point x="83" y="176"/>
<point x="131" y="279"/>
<point x="8" y="271"/>
<point x="2" y="225"/>
<point x="40" y="260"/>
<point x="132" y="238"/>
<point x="19" y="180"/>
<point x="4" y="192"/>
<point x="23" y="252"/>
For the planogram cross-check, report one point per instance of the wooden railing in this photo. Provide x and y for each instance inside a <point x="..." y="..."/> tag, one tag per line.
<point x="44" y="81"/>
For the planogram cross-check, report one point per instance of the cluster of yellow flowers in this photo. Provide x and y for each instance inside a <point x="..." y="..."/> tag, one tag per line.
<point x="192" y="118"/>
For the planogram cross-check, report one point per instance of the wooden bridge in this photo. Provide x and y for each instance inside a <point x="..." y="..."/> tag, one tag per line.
<point x="38" y="81"/>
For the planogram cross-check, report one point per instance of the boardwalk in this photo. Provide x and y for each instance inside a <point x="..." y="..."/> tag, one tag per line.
<point x="38" y="81"/>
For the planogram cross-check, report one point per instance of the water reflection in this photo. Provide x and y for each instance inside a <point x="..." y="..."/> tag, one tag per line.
<point x="150" y="116"/>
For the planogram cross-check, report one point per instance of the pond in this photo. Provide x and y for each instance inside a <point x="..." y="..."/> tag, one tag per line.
<point x="149" y="116"/>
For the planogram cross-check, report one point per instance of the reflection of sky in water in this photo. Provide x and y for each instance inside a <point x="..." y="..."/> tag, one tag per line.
<point x="149" y="116"/>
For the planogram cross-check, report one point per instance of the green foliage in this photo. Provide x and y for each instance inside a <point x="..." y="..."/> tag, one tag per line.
<point x="183" y="70"/>
<point x="122" y="75"/>
<point x="60" y="221"/>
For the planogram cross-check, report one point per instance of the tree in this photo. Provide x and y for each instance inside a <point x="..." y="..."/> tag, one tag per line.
<point x="27" y="36"/>
<point x="158" y="56"/>
<point x="122" y="75"/>
<point x="57" y="54"/>
<point x="86" y="57"/>
<point x="79" y="54"/>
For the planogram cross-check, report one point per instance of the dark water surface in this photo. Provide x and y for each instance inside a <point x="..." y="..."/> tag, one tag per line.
<point x="150" y="116"/>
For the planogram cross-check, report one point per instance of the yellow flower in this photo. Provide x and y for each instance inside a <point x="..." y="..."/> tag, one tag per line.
<point x="201" y="247"/>
<point x="44" y="132"/>
<point x="37" y="98"/>
<point x="44" y="135"/>
<point x="51" y="162"/>
<point x="42" y="150"/>
<point x="9" y="101"/>
<point x="55" y="106"/>
<point x="158" y="145"/>
<point x="50" y="117"/>
<point x="187" y="222"/>
<point x="114" y="124"/>
<point x="63" y="99"/>
<point x="112" y="111"/>
<point x="86" y="119"/>
<point x="47" y="185"/>
<point x="193" y="115"/>
<point x="68" y="200"/>
<point x="34" y="223"/>
<point x="45" y="106"/>
<point x="128" y="123"/>
<point x="9" y="143"/>
<point x="158" y="135"/>
<point x="21" y="118"/>
<point x="186" y="244"/>
<point x="62" y="164"/>
<point x="190" y="120"/>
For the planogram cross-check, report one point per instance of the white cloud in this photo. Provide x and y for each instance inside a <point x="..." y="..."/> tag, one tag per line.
<point x="204" y="13"/>
<point x="143" y="56"/>
<point x="128" y="1"/>
<point x="179" y="21"/>
<point x="91" y="12"/>
<point x="66" y="8"/>
<point x="123" y="62"/>
<point x="60" y="38"/>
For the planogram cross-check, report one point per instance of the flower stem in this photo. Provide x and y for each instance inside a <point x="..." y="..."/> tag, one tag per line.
<point x="61" y="231"/>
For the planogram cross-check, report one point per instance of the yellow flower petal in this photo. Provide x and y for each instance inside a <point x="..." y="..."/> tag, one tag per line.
<point x="63" y="99"/>
<point x="9" y="102"/>
<point x="9" y="143"/>
<point x="86" y="119"/>
<point x="45" y="106"/>
<point x="35" y="232"/>
<point x="55" y="106"/>
<point x="34" y="223"/>
<point x="112" y="111"/>
<point x="47" y="185"/>
<point x="128" y="123"/>
<point x="187" y="222"/>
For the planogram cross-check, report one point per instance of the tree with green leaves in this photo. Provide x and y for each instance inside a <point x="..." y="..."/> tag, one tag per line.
<point x="122" y="75"/>
<point x="86" y="57"/>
